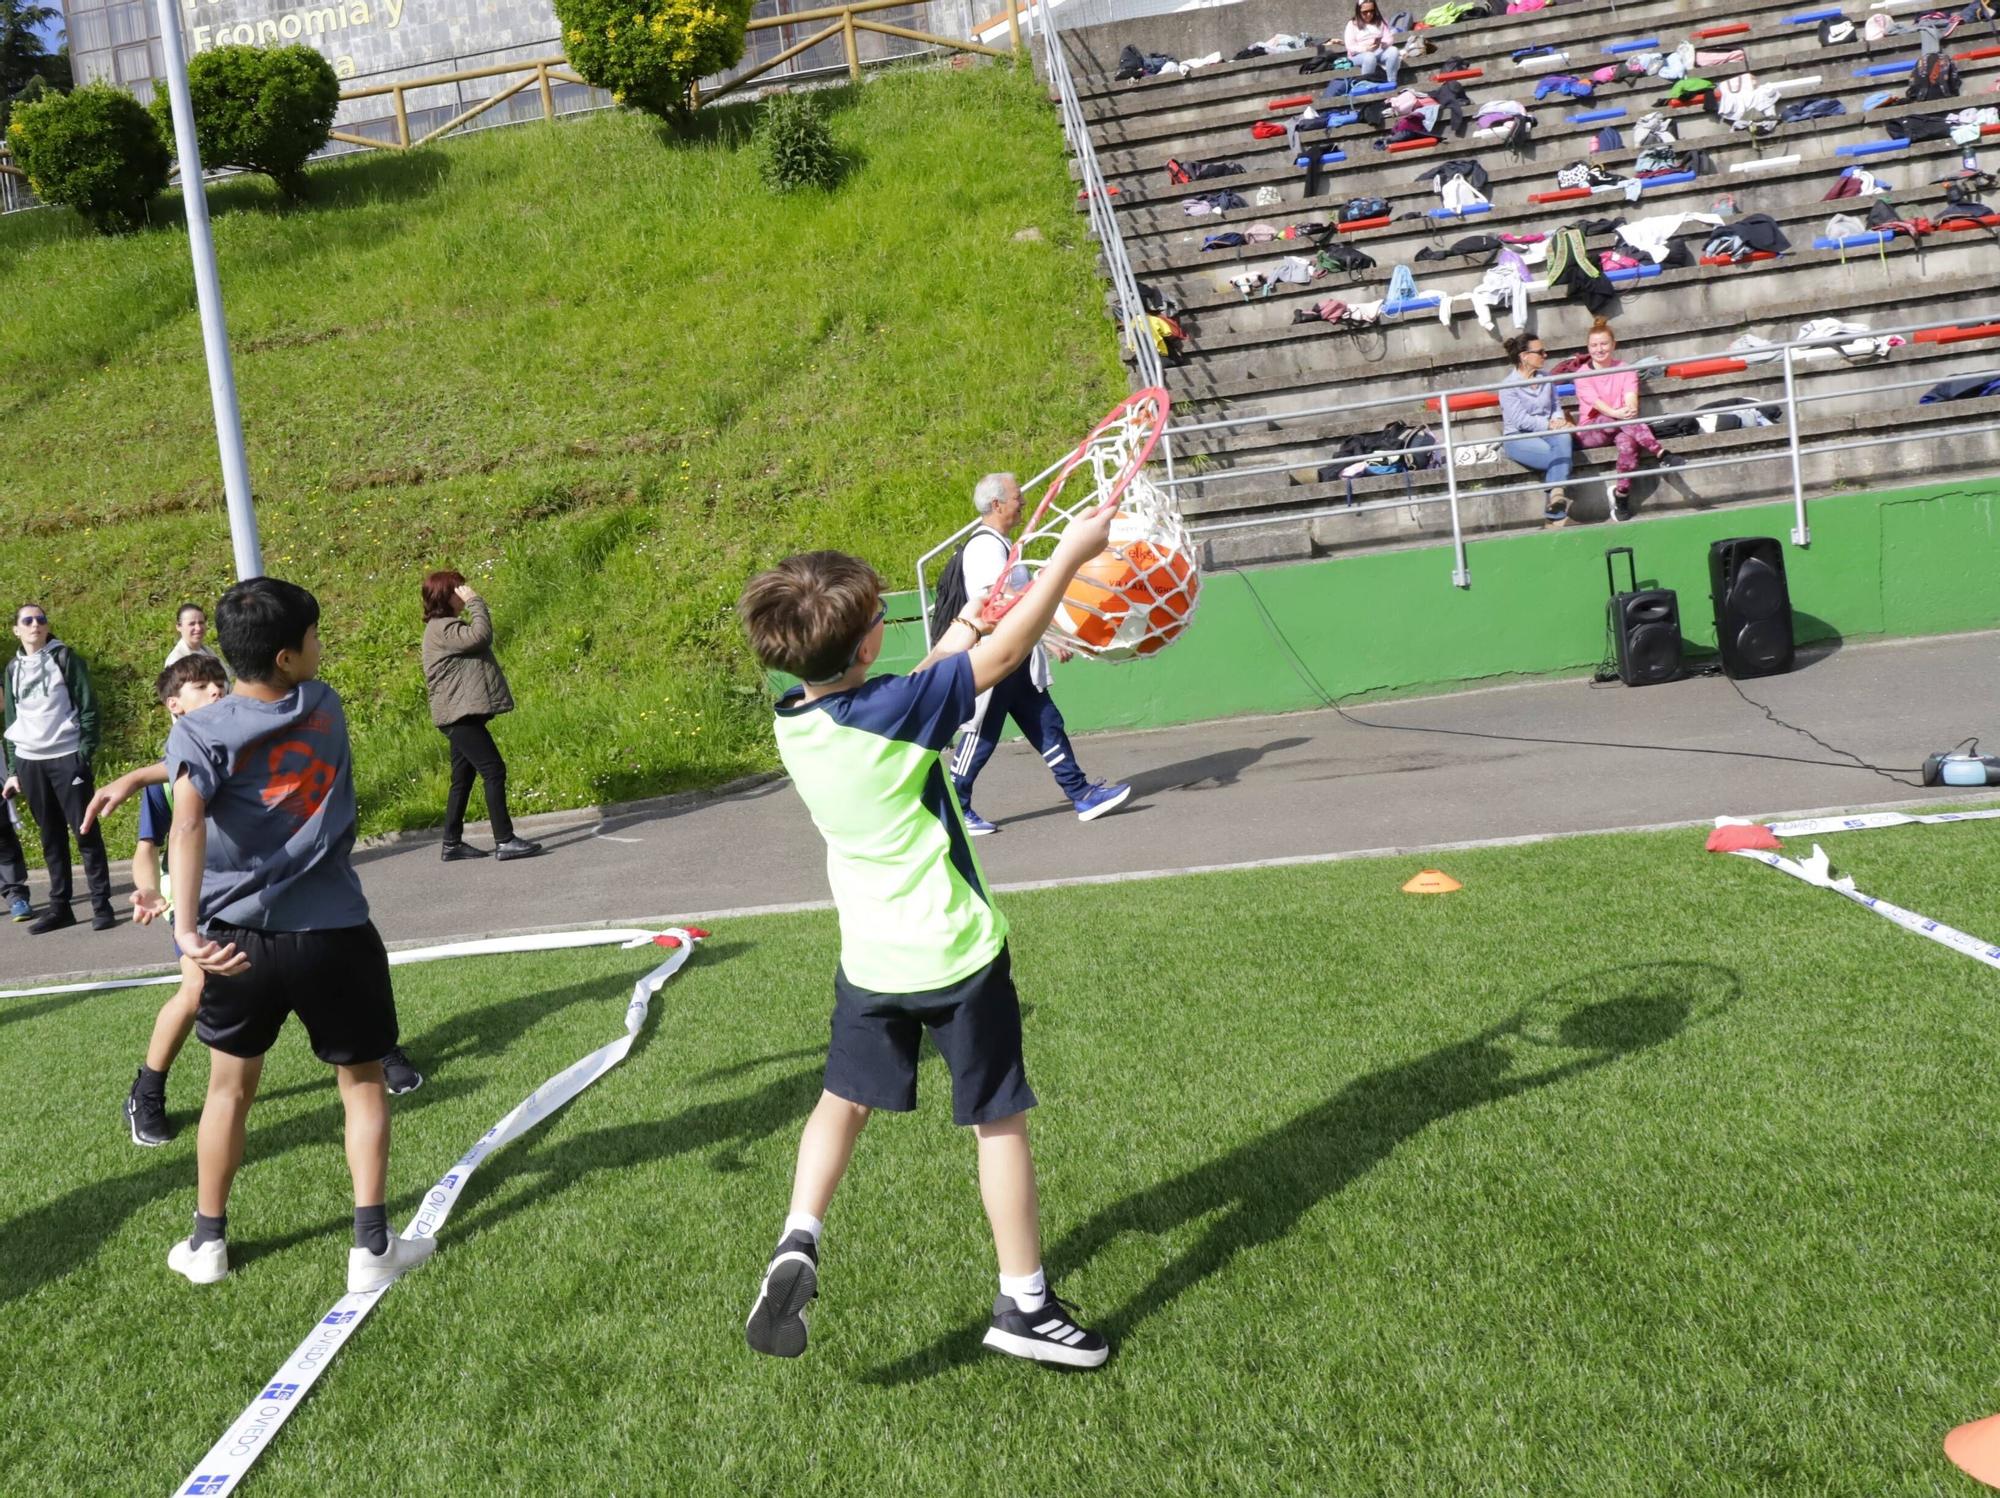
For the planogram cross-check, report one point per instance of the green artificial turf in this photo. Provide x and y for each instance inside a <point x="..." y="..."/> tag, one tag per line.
<point x="602" y="372"/>
<point x="1627" y="1169"/>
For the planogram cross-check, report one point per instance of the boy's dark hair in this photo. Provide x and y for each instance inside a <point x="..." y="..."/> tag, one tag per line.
<point x="196" y="669"/>
<point x="182" y="612"/>
<point x="807" y="614"/>
<point x="259" y="617"/>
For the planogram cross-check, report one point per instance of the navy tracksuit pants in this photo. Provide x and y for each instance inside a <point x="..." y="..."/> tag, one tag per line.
<point x="1041" y="723"/>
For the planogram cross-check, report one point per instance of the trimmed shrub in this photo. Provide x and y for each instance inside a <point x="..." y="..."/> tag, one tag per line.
<point x="95" y="150"/>
<point x="649" y="53"/>
<point x="259" y="109"/>
<point x="795" y="146"/>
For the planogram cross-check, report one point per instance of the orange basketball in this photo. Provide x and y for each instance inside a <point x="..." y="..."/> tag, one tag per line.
<point x="1131" y="599"/>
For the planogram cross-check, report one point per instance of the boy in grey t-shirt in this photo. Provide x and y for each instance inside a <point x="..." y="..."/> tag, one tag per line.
<point x="267" y="905"/>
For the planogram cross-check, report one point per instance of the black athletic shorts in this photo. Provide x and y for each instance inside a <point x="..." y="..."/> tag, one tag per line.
<point x="337" y="982"/>
<point x="975" y="1024"/>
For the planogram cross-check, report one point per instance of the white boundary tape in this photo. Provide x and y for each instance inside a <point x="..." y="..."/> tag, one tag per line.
<point x="1866" y="821"/>
<point x="1816" y="871"/>
<point x="486" y="946"/>
<point x="231" y="1457"/>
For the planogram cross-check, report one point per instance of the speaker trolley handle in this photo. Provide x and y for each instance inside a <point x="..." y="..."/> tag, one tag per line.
<point x="1611" y="571"/>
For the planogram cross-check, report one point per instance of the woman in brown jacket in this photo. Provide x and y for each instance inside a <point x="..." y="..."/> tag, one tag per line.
<point x="467" y="692"/>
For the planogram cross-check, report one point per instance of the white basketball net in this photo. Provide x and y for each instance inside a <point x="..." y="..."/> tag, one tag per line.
<point x="1138" y="595"/>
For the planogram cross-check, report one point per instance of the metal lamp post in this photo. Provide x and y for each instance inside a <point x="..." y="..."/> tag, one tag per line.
<point x="208" y="294"/>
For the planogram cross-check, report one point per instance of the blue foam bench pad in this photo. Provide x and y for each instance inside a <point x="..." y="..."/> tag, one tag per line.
<point x="1592" y="116"/>
<point x="1636" y="44"/>
<point x="1362" y="90"/>
<point x="1881" y="69"/>
<point x="1813" y="17"/>
<point x="1632" y="273"/>
<point x="1647" y="184"/>
<point x="1332" y="121"/>
<point x="1326" y="158"/>
<point x="1852" y="241"/>
<point x="1469" y="208"/>
<point x="1408" y="304"/>
<point x="1870" y="148"/>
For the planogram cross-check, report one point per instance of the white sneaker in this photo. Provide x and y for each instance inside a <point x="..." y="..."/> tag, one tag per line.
<point x="202" y="1266"/>
<point x="366" y="1271"/>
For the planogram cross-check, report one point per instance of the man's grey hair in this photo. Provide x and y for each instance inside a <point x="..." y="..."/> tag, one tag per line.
<point x="993" y="489"/>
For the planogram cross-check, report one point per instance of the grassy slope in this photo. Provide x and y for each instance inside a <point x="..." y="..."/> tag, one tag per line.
<point x="604" y="375"/>
<point x="1630" y="1169"/>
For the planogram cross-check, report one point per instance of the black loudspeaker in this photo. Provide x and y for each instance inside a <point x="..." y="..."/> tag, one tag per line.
<point x="1753" y="607"/>
<point x="1645" y="626"/>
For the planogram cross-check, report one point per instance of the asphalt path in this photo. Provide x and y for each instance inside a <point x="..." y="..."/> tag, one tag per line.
<point x="1492" y="764"/>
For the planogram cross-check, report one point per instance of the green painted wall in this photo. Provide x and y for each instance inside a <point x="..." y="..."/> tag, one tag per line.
<point x="1909" y="562"/>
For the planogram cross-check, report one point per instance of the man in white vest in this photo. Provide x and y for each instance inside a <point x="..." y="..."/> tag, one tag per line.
<point x="1023" y="696"/>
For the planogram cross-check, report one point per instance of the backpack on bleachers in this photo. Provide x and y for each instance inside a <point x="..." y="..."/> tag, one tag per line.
<point x="1363" y="208"/>
<point x="1933" y="76"/>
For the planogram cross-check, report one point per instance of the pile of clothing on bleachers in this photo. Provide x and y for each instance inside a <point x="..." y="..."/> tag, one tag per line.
<point x="1134" y="64"/>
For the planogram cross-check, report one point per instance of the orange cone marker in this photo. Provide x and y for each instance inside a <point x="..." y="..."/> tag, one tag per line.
<point x="1976" y="1448"/>
<point x="1432" y="882"/>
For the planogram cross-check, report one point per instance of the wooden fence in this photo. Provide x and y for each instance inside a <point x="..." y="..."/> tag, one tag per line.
<point x="844" y="21"/>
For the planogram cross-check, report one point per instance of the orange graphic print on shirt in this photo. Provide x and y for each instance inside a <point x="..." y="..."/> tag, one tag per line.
<point x="300" y="781"/>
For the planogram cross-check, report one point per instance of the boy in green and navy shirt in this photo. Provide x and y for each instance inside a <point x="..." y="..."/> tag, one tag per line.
<point x="922" y="946"/>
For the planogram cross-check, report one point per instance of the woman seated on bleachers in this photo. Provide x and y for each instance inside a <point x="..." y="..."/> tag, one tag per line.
<point x="1609" y="391"/>
<point x="1370" y="42"/>
<point x="1535" y="430"/>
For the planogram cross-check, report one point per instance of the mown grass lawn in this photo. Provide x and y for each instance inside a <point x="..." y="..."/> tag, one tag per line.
<point x="1628" y="1169"/>
<point x="604" y="374"/>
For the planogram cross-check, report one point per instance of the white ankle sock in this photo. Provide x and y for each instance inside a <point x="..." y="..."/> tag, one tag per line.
<point x="803" y="1222"/>
<point x="1028" y="1291"/>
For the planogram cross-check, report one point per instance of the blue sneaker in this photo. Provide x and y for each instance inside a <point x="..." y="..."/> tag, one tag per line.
<point x="20" y="910"/>
<point x="977" y="825"/>
<point x="1100" y="798"/>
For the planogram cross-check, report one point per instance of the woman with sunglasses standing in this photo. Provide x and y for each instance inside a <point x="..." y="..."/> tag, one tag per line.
<point x="1535" y="432"/>
<point x="468" y="691"/>
<point x="1371" y="44"/>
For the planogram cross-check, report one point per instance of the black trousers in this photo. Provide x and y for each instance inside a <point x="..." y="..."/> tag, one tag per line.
<point x="13" y="862"/>
<point x="473" y="752"/>
<point x="57" y="791"/>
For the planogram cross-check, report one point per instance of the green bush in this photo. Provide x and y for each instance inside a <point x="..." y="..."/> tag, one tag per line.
<point x="260" y="109"/>
<point x="649" y="53"/>
<point x="95" y="150"/>
<point x="794" y="145"/>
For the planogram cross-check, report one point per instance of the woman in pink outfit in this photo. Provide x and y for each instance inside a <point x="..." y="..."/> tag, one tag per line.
<point x="1371" y="44"/>
<point x="1606" y="392"/>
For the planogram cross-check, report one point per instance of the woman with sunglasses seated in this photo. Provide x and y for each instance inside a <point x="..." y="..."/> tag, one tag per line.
<point x="468" y="691"/>
<point x="1536" y="433"/>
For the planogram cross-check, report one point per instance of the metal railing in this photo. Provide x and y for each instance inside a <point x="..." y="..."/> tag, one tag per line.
<point x="1794" y="451"/>
<point x="1097" y="200"/>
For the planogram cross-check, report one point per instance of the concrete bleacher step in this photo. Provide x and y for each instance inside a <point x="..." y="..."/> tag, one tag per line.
<point x="1247" y="358"/>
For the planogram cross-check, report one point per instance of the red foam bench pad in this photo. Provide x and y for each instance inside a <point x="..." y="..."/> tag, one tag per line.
<point x="1474" y="400"/>
<point x="1362" y="223"/>
<point x="1695" y="369"/>
<point x="1560" y="195"/>
<point x="1453" y="75"/>
<point x="1734" y="28"/>
<point x="1725" y="260"/>
<point x="1294" y="102"/>
<point x="1975" y="54"/>
<point x="1956" y="335"/>
<point x="1419" y="143"/>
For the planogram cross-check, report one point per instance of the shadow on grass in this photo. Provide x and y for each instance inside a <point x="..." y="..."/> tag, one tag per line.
<point x="728" y="1127"/>
<point x="47" y="1242"/>
<point x="1260" y="1191"/>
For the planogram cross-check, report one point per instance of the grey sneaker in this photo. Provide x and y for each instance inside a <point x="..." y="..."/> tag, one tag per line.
<point x="777" y="1324"/>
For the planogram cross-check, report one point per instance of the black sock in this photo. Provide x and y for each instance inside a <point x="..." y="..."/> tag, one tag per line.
<point x="208" y="1229"/>
<point x="152" y="1083"/>
<point x="371" y="1228"/>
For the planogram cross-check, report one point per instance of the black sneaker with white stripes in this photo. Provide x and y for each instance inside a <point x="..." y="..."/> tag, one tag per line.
<point x="777" y="1324"/>
<point x="1049" y="1335"/>
<point x="400" y="1076"/>
<point x="146" y="1113"/>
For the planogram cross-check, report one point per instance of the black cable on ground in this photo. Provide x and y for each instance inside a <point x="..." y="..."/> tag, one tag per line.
<point x="1327" y="699"/>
